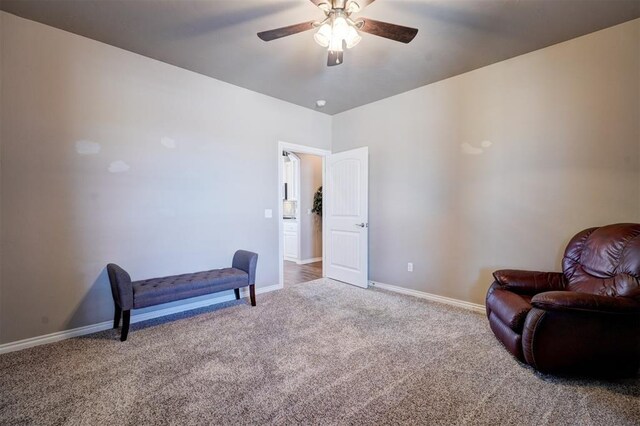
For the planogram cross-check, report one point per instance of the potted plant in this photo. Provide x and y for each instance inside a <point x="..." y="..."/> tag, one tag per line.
<point x="317" y="202"/>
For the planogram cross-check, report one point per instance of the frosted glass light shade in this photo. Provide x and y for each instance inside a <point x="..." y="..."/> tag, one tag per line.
<point x="340" y="28"/>
<point x="323" y="36"/>
<point x="352" y="38"/>
<point x="335" y="45"/>
<point x="332" y="35"/>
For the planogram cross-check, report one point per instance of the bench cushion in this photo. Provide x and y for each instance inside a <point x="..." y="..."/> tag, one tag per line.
<point x="167" y="289"/>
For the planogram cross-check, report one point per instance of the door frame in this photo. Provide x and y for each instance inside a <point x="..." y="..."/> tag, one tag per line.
<point x="302" y="149"/>
<point x="297" y="173"/>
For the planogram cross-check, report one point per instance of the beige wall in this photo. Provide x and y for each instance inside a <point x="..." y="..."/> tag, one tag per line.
<point x="108" y="156"/>
<point x="561" y="135"/>
<point x="310" y="224"/>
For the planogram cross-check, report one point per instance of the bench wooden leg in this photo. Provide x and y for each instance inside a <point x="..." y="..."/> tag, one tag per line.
<point x="116" y="317"/>
<point x="126" y="317"/>
<point x="237" y="292"/>
<point x="252" y="294"/>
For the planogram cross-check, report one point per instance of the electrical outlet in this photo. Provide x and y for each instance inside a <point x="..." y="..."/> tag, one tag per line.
<point x="410" y="267"/>
<point x="268" y="213"/>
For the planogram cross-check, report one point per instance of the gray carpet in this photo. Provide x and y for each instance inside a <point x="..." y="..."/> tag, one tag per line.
<point x="314" y="353"/>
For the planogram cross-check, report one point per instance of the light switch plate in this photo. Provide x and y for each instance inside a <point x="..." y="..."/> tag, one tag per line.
<point x="268" y="213"/>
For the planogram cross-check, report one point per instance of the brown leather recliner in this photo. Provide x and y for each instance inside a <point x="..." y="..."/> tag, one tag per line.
<point x="585" y="320"/>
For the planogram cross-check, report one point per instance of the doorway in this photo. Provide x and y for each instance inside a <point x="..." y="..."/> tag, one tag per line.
<point x="344" y="221"/>
<point x="300" y="182"/>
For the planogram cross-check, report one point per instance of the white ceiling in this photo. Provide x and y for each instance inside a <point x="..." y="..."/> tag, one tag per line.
<point x="218" y="38"/>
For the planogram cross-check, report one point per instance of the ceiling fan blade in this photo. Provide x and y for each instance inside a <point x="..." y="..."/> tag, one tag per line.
<point x="335" y="58"/>
<point x="285" y="31"/>
<point x="390" y="31"/>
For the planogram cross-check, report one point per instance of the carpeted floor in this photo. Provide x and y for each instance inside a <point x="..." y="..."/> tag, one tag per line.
<point x="314" y="353"/>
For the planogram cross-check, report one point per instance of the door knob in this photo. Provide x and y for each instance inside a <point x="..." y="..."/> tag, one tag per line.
<point x="362" y="225"/>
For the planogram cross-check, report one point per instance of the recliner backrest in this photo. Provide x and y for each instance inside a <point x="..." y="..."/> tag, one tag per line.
<point x="605" y="261"/>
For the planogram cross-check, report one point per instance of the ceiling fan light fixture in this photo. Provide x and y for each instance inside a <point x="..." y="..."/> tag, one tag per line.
<point x="352" y="38"/>
<point x="340" y="28"/>
<point x="325" y="7"/>
<point x="323" y="36"/>
<point x="335" y="45"/>
<point x="353" y="7"/>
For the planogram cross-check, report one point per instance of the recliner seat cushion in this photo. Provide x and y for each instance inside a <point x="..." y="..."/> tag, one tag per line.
<point x="177" y="287"/>
<point x="509" y="307"/>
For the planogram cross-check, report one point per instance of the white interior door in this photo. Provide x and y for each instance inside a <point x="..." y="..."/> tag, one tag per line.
<point x="346" y="201"/>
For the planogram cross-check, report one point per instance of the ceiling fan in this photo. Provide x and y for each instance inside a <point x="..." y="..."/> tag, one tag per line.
<point x="338" y="28"/>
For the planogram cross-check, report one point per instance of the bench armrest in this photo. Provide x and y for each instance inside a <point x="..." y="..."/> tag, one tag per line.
<point x="121" y="288"/>
<point x="246" y="261"/>
<point x="530" y="282"/>
<point x="574" y="301"/>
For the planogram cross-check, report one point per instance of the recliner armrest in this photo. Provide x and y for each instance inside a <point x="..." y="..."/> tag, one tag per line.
<point x="246" y="261"/>
<point x="574" y="301"/>
<point x="530" y="282"/>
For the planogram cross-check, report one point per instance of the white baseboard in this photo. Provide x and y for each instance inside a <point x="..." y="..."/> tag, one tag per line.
<point x="291" y="259"/>
<point x="106" y="325"/>
<point x="312" y="260"/>
<point x="55" y="337"/>
<point x="433" y="297"/>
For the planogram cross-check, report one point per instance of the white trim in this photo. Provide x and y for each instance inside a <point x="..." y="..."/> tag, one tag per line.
<point x="303" y="149"/>
<point x="285" y="146"/>
<point x="298" y="177"/>
<point x="305" y="261"/>
<point x="324" y="221"/>
<point x="433" y="297"/>
<point x="106" y="325"/>
<point x="54" y="337"/>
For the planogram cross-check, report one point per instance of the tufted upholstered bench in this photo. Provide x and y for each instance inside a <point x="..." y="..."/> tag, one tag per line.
<point x="129" y="295"/>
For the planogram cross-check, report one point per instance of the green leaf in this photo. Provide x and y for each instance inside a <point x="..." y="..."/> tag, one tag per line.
<point x="317" y="202"/>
